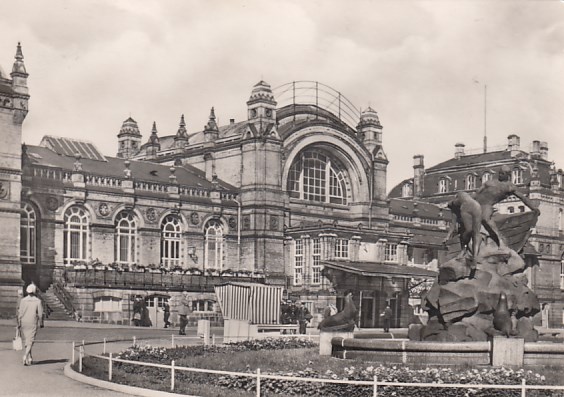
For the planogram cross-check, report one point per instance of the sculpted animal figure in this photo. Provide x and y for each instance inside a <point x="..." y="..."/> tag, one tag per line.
<point x="342" y="321"/>
<point x="502" y="318"/>
<point x="466" y="220"/>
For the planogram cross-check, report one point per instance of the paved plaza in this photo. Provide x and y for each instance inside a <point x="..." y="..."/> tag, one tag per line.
<point x="53" y="349"/>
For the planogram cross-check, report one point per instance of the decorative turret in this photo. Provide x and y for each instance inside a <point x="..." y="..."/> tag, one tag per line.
<point x="261" y="108"/>
<point x="19" y="87"/>
<point x="181" y="138"/>
<point x="129" y="139"/>
<point x="418" y="174"/>
<point x="369" y="129"/>
<point x="211" y="131"/>
<point x="153" y="146"/>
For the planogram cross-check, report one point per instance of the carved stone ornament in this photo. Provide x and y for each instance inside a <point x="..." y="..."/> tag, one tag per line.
<point x="194" y="218"/>
<point x="104" y="209"/>
<point x="246" y="222"/>
<point x="52" y="203"/>
<point x="151" y="215"/>
<point x="232" y="223"/>
<point x="273" y="222"/>
<point x="4" y="189"/>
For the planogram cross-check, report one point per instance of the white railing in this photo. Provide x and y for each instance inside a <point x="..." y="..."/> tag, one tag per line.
<point x="258" y="375"/>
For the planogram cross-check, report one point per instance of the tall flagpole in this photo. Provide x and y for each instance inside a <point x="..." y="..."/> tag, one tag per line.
<point x="485" y="118"/>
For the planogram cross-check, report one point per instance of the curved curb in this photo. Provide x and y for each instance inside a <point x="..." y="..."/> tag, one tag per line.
<point x="103" y="384"/>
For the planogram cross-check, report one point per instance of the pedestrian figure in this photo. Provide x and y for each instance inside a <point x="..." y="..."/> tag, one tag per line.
<point x="387" y="317"/>
<point x="166" y="309"/>
<point x="183" y="312"/>
<point x="137" y="311"/>
<point x="30" y="316"/>
<point x="303" y="316"/>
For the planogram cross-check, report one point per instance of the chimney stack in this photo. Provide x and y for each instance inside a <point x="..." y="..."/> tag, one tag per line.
<point x="535" y="152"/>
<point x="513" y="144"/>
<point x="418" y="172"/>
<point x="543" y="150"/>
<point x="459" y="150"/>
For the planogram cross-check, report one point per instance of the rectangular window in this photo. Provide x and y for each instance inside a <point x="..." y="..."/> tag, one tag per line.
<point x="391" y="253"/>
<point x="299" y="263"/>
<point x="443" y="186"/>
<point x="342" y="248"/>
<point x="316" y="261"/>
<point x="107" y="304"/>
<point x="562" y="275"/>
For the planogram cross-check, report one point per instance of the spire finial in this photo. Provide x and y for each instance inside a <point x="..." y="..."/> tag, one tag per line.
<point x="212" y="114"/>
<point x="19" y="54"/>
<point x="182" y="123"/>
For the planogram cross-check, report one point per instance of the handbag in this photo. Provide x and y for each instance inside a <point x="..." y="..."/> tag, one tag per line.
<point x="17" y="342"/>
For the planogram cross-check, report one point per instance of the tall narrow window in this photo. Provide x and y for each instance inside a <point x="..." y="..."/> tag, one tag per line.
<point x="443" y="185"/>
<point x="470" y="182"/>
<point x="171" y="235"/>
<point x="28" y="234"/>
<point x="299" y="262"/>
<point x="126" y="238"/>
<point x="214" y="245"/>
<point x="76" y="234"/>
<point x="316" y="261"/>
<point x="391" y="252"/>
<point x="407" y="190"/>
<point x="341" y="248"/>
<point x="562" y="274"/>
<point x="315" y="176"/>
<point x="517" y="176"/>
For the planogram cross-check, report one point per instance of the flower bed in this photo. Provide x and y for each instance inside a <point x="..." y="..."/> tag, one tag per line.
<point x="297" y="357"/>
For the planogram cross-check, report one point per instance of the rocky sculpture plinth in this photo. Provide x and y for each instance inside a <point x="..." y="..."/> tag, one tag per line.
<point x="474" y="305"/>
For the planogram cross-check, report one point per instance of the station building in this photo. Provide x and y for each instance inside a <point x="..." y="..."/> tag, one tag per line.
<point x="294" y="195"/>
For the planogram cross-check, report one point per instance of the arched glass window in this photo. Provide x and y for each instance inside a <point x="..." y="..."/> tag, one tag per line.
<point x="126" y="238"/>
<point x="214" y="245"/>
<point x="470" y="182"/>
<point x="315" y="176"/>
<point x="28" y="234"/>
<point x="517" y="175"/>
<point x="171" y="235"/>
<point x="76" y="235"/>
<point x="486" y="176"/>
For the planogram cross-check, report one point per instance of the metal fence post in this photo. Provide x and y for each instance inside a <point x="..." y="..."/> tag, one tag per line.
<point x="523" y="388"/>
<point x="258" y="382"/>
<point x="134" y="340"/>
<point x="110" y="368"/>
<point x="172" y="341"/>
<point x="213" y="339"/>
<point x="72" y="354"/>
<point x="80" y="353"/>
<point x="104" y="352"/>
<point x="172" y="376"/>
<point x="375" y="386"/>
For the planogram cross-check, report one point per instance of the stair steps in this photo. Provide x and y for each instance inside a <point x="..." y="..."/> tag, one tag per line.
<point x="57" y="309"/>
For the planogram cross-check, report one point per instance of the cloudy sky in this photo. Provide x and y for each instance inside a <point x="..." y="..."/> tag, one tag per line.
<point x="421" y="64"/>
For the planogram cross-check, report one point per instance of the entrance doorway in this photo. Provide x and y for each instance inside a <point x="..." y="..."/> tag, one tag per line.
<point x="155" y="306"/>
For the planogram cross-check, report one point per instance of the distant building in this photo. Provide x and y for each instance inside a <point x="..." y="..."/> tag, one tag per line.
<point x="295" y="195"/>
<point x="536" y="175"/>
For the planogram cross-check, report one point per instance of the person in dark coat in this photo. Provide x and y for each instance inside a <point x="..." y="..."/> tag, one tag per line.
<point x="166" y="310"/>
<point x="387" y="318"/>
<point x="302" y="316"/>
<point x="137" y="311"/>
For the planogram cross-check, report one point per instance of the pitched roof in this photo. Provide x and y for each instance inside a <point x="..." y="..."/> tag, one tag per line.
<point x="473" y="159"/>
<point x="186" y="175"/>
<point x="71" y="147"/>
<point x="400" y="206"/>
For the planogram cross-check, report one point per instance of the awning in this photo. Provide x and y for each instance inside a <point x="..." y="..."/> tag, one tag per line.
<point x="373" y="269"/>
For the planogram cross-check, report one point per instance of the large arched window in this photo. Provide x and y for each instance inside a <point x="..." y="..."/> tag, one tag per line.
<point x="28" y="234"/>
<point x="443" y="185"/>
<point x="76" y="234"/>
<point x="317" y="177"/>
<point x="171" y="235"/>
<point x="470" y="182"/>
<point x="126" y="238"/>
<point x="214" y="245"/>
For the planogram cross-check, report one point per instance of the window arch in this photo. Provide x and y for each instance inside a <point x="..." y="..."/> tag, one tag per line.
<point x="486" y="176"/>
<point x="28" y="234"/>
<point x="76" y="235"/>
<point x="470" y="182"/>
<point x="315" y="176"/>
<point x="213" y="250"/>
<point x="171" y="236"/>
<point x="126" y="238"/>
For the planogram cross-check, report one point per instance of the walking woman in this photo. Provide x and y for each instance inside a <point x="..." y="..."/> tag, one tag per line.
<point x="30" y="315"/>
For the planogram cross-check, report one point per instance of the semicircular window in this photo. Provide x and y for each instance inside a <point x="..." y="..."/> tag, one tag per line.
<point x="315" y="176"/>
